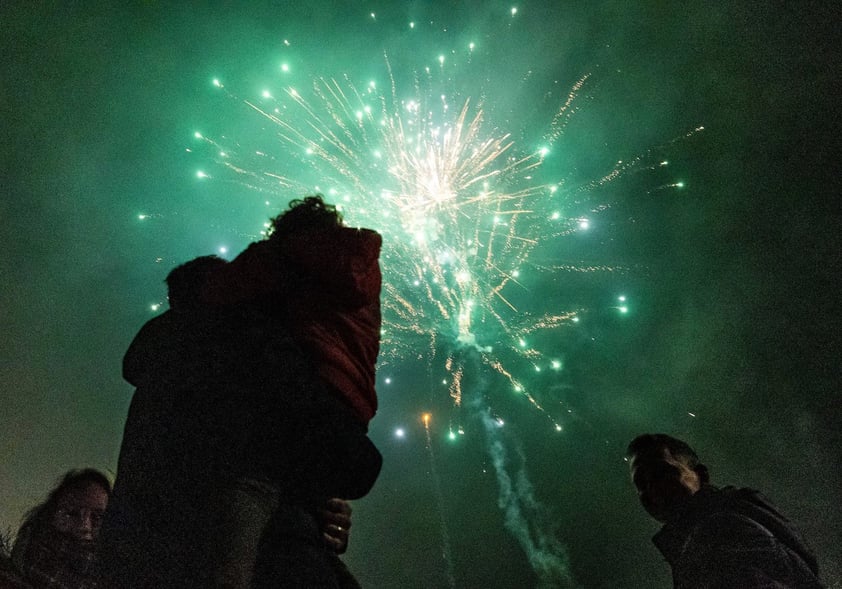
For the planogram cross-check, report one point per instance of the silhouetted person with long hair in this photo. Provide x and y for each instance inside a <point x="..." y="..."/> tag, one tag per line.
<point x="56" y="545"/>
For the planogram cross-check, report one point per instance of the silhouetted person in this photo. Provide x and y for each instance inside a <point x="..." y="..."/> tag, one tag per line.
<point x="232" y="447"/>
<point x="172" y="456"/>
<point x="170" y="362"/>
<point x="715" y="538"/>
<point x="56" y="545"/>
<point x="318" y="281"/>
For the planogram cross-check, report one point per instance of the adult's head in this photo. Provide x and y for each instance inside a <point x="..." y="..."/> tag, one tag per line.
<point x="665" y="471"/>
<point x="184" y="282"/>
<point x="74" y="507"/>
<point x="308" y="214"/>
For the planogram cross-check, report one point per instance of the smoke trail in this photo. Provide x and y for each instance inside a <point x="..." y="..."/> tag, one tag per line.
<point x="525" y="517"/>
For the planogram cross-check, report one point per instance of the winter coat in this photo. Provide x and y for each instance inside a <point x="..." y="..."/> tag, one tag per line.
<point x="50" y="559"/>
<point x="326" y="283"/>
<point x="733" y="538"/>
<point x="225" y="394"/>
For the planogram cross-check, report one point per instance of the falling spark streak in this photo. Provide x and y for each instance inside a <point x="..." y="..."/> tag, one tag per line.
<point x="446" y="552"/>
<point x="456" y="384"/>
<point x="564" y="114"/>
<point x="498" y="367"/>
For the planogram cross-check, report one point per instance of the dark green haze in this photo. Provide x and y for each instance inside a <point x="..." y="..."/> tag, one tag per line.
<point x="732" y="336"/>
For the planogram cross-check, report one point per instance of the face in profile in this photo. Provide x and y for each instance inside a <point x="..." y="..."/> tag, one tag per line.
<point x="79" y="511"/>
<point x="663" y="481"/>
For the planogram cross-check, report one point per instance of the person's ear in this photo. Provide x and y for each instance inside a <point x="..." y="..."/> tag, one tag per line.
<point x="704" y="475"/>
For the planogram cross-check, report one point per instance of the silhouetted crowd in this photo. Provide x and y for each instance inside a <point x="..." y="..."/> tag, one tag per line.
<point x="246" y="438"/>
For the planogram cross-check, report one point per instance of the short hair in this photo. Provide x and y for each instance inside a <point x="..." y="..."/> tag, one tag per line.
<point x="41" y="515"/>
<point x="184" y="282"/>
<point x="309" y="213"/>
<point x="649" y="443"/>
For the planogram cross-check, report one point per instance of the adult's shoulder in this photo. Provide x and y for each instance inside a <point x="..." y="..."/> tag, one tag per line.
<point x="255" y="272"/>
<point x="733" y="548"/>
<point x="154" y="333"/>
<point x="9" y="574"/>
<point x="731" y="525"/>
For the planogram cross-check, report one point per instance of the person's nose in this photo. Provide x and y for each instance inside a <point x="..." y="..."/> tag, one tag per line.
<point x="86" y="525"/>
<point x="86" y="529"/>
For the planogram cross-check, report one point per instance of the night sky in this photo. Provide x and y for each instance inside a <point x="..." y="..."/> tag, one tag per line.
<point x="722" y="241"/>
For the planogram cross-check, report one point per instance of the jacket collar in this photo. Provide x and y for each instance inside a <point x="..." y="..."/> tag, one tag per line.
<point x="672" y="537"/>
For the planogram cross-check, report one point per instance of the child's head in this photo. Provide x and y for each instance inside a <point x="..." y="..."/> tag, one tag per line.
<point x="311" y="213"/>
